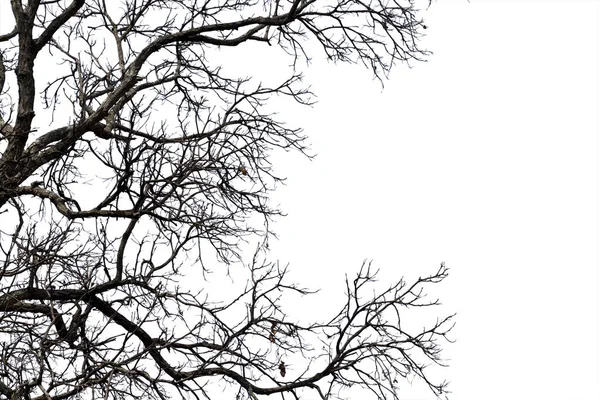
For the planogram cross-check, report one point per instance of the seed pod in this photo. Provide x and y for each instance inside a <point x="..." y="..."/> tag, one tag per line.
<point x="282" y="368"/>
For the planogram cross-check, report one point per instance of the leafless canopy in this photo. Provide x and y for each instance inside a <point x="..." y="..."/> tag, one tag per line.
<point x="132" y="158"/>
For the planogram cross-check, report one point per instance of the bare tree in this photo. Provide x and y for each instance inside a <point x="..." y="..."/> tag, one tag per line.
<point x="131" y="160"/>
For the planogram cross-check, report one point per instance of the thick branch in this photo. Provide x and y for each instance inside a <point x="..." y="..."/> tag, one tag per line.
<point x="62" y="207"/>
<point x="57" y="23"/>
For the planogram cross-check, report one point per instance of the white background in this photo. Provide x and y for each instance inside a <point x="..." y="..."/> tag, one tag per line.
<point x="485" y="157"/>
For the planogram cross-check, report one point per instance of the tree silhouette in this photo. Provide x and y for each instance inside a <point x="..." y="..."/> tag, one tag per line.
<point x="131" y="161"/>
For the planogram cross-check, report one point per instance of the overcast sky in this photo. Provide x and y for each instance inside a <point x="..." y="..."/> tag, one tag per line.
<point x="485" y="157"/>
